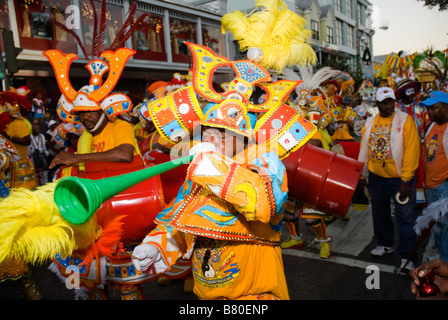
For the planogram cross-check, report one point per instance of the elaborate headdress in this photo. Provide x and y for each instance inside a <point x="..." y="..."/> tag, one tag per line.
<point x="404" y="85"/>
<point x="95" y="95"/>
<point x="10" y="101"/>
<point x="311" y="81"/>
<point x="273" y="35"/>
<point x="179" y="112"/>
<point x="60" y="133"/>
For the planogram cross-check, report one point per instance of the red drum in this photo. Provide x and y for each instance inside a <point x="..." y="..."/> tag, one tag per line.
<point x="322" y="179"/>
<point x="172" y="180"/>
<point x="351" y="148"/>
<point x="140" y="203"/>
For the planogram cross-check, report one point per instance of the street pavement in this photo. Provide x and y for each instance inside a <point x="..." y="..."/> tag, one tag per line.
<point x="351" y="273"/>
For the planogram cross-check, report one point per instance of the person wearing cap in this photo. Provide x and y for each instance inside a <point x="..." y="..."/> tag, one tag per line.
<point x="406" y="93"/>
<point x="390" y="149"/>
<point x="435" y="150"/>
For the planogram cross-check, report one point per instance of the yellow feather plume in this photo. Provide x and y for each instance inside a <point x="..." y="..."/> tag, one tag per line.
<point x="33" y="230"/>
<point x="277" y="31"/>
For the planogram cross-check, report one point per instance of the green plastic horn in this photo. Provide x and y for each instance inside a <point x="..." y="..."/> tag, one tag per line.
<point x="78" y="198"/>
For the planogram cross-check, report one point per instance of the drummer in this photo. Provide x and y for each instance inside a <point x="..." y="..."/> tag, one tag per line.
<point x="295" y="209"/>
<point x="112" y="141"/>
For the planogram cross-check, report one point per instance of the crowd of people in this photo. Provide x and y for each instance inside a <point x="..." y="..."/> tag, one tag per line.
<point x="218" y="226"/>
<point x="392" y="143"/>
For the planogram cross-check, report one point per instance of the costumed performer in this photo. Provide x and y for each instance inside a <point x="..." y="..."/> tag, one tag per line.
<point x="407" y="93"/>
<point x="106" y="139"/>
<point x="436" y="163"/>
<point x="16" y="133"/>
<point x="313" y="107"/>
<point x="227" y="217"/>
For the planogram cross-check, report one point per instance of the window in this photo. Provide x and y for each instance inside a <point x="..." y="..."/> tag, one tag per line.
<point x="181" y="30"/>
<point x="148" y="39"/>
<point x="4" y="18"/>
<point x="338" y="5"/>
<point x="212" y="37"/>
<point x="350" y="34"/>
<point x="114" y="21"/>
<point x="315" y="29"/>
<point x="35" y="29"/>
<point x="330" y="36"/>
<point x="348" y="9"/>
<point x="340" y="32"/>
<point x="359" y="14"/>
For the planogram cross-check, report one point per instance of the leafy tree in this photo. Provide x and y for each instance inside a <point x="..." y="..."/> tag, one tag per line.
<point x="443" y="4"/>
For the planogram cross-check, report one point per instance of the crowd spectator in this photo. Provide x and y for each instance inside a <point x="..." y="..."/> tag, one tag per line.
<point x="390" y="149"/>
<point x="38" y="153"/>
<point x="436" y="162"/>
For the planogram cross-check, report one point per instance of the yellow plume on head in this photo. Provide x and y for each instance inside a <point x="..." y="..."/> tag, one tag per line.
<point x="277" y="31"/>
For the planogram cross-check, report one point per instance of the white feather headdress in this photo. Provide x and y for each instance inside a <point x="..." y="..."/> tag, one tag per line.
<point x="311" y="81"/>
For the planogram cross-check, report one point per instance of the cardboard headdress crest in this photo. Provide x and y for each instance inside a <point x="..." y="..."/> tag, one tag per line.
<point x="96" y="95"/>
<point x="176" y="114"/>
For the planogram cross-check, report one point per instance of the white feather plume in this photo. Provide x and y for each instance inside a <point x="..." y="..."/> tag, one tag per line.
<point x="311" y="80"/>
<point x="434" y="212"/>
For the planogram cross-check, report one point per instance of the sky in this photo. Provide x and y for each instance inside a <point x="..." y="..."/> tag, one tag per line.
<point x="412" y="27"/>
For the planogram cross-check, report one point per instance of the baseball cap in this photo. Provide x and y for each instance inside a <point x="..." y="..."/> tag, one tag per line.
<point x="384" y="93"/>
<point x="434" y="97"/>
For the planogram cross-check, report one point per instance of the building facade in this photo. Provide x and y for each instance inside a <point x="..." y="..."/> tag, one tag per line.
<point x="342" y="29"/>
<point x="158" y="41"/>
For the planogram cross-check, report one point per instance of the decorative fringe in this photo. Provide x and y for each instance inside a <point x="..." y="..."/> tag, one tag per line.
<point x="279" y="32"/>
<point x="31" y="227"/>
<point x="109" y="229"/>
<point x="430" y="215"/>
